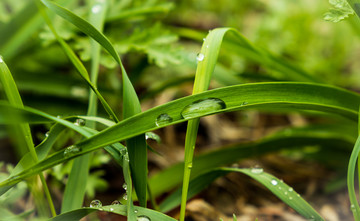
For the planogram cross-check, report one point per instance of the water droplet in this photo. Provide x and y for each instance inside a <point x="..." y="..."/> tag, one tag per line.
<point x="207" y="46"/>
<point x="291" y="189"/>
<point x="298" y="195"/>
<point x="143" y="218"/>
<point x="111" y="209"/>
<point x="286" y="193"/>
<point x="290" y="198"/>
<point x="96" y="9"/>
<point x="124" y="186"/>
<point x="136" y="211"/>
<point x="189" y="166"/>
<point x="115" y="203"/>
<point x="47" y="134"/>
<point x="274" y="182"/>
<point x="80" y="122"/>
<point x="203" y="107"/>
<point x="257" y="170"/>
<point x="123" y="151"/>
<point x="204" y="39"/>
<point x="235" y="165"/>
<point x="125" y="196"/>
<point x="1" y="60"/>
<point x="163" y="119"/>
<point x="58" y="116"/>
<point x="244" y="103"/>
<point x="72" y="150"/>
<point x="352" y="207"/>
<point x="279" y="188"/>
<point x="200" y="57"/>
<point x="96" y="204"/>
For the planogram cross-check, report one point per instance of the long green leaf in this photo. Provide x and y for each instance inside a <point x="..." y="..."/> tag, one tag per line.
<point x="117" y="209"/>
<point x="207" y="59"/>
<point x="130" y="99"/>
<point x="283" y="96"/>
<point x="327" y="138"/>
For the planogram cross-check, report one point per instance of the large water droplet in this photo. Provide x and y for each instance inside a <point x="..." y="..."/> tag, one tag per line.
<point x="163" y="119"/>
<point x="257" y="170"/>
<point x="96" y="9"/>
<point x="80" y="122"/>
<point x="72" y="150"/>
<point x="274" y="182"/>
<point x="143" y="218"/>
<point x="124" y="186"/>
<point x="200" y="57"/>
<point x="115" y="203"/>
<point x="96" y="204"/>
<point x="203" y="107"/>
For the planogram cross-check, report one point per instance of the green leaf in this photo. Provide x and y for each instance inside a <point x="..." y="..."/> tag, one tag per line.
<point x="283" y="96"/>
<point x="340" y="11"/>
<point x="117" y="209"/>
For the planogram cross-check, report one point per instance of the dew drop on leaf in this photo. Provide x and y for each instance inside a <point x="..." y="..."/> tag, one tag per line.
<point x="1" y="60"/>
<point x="143" y="218"/>
<point x="257" y="170"/>
<point x="124" y="186"/>
<point x="72" y="150"/>
<point x="125" y="196"/>
<point x="291" y="189"/>
<point x="163" y="119"/>
<point x="115" y="203"/>
<point x="203" y="107"/>
<point x="200" y="57"/>
<point x="80" y="122"/>
<point x="95" y="204"/>
<point x="47" y="134"/>
<point x="274" y="182"/>
<point x="96" y="9"/>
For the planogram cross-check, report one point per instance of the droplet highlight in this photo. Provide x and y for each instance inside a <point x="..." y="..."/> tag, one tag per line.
<point x="143" y="218"/>
<point x="72" y="150"/>
<point x="47" y="134"/>
<point x="96" y="204"/>
<point x="200" y="57"/>
<point x="163" y="119"/>
<point x="203" y="107"/>
<point x="291" y="189"/>
<point x="274" y="182"/>
<point x="96" y="9"/>
<point x="1" y="60"/>
<point x="124" y="186"/>
<point x="125" y="197"/>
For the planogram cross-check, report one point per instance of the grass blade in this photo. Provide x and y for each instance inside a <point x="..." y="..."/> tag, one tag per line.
<point x="207" y="59"/>
<point x="130" y="99"/>
<point x="284" y="96"/>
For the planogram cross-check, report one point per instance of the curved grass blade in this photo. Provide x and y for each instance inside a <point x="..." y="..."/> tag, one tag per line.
<point x="238" y="44"/>
<point x="166" y="180"/>
<point x="117" y="209"/>
<point x="130" y="100"/>
<point x="284" y="192"/>
<point x="283" y="96"/>
<point x="23" y="131"/>
<point x="207" y="59"/>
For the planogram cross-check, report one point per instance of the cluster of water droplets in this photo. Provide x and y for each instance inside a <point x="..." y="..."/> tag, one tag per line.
<point x="288" y="191"/>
